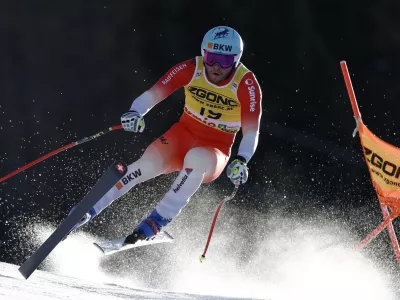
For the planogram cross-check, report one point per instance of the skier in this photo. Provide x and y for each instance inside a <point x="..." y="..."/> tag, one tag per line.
<point x="221" y="96"/>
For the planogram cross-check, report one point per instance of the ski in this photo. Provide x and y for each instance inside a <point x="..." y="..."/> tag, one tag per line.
<point x="116" y="171"/>
<point x="113" y="246"/>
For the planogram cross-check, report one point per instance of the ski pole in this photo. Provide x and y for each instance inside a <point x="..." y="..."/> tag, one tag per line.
<point x="203" y="256"/>
<point x="73" y="144"/>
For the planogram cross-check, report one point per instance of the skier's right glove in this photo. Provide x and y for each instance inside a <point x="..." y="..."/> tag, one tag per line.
<point x="237" y="171"/>
<point x="132" y="121"/>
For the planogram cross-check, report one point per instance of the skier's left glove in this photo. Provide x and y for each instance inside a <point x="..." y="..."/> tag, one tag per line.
<point x="237" y="171"/>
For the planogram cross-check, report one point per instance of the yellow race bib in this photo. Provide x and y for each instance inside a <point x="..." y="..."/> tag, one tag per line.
<point x="214" y="106"/>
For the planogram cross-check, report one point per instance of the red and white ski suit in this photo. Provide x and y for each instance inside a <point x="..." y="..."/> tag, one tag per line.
<point x="199" y="144"/>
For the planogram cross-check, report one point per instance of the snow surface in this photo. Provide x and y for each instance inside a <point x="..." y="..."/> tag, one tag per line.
<point x="49" y="286"/>
<point x="292" y="262"/>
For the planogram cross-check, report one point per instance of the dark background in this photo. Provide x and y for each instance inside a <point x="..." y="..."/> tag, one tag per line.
<point x="69" y="69"/>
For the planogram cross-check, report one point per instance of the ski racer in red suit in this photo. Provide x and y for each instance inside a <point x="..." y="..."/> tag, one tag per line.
<point x="222" y="96"/>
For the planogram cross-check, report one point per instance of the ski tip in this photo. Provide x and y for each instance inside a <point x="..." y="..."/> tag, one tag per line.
<point x="99" y="248"/>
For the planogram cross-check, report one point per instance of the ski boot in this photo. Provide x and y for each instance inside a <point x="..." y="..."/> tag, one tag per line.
<point x="135" y="236"/>
<point x="147" y="228"/>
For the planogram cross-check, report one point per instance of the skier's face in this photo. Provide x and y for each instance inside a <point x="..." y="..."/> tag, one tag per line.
<point x="216" y="74"/>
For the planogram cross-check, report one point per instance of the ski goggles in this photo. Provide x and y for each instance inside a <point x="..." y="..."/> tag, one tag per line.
<point x="224" y="60"/>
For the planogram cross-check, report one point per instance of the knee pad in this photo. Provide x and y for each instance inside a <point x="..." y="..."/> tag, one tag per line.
<point x="200" y="159"/>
